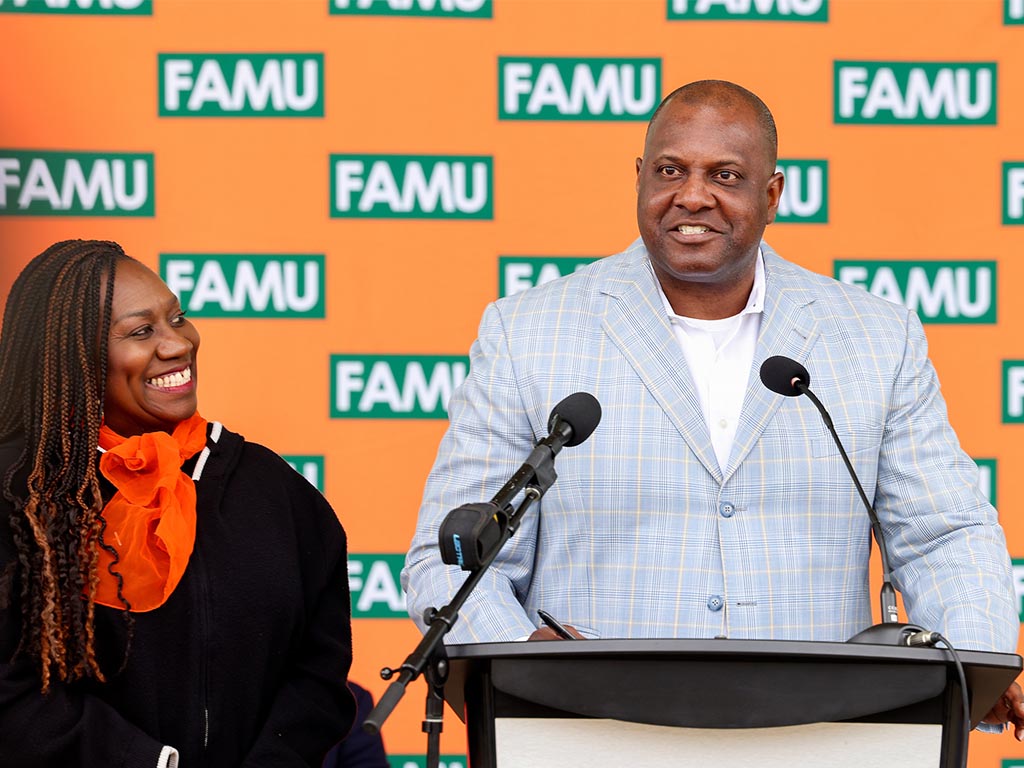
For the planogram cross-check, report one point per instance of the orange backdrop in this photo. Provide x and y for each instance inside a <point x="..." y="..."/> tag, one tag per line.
<point x="394" y="84"/>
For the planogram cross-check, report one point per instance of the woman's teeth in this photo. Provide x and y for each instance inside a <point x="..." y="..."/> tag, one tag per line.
<point x="177" y="379"/>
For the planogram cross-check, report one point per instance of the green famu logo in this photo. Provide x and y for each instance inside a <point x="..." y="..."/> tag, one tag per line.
<point x="230" y="285"/>
<point x="578" y="89"/>
<point x="373" y="581"/>
<point x="479" y="9"/>
<point x="241" y="84"/>
<point x="75" y="184"/>
<point x="79" y="7"/>
<point x="412" y="186"/>
<point x="938" y="291"/>
<point x="394" y="386"/>
<point x="805" y="195"/>
<point x="420" y="761"/>
<point x="1013" y="13"/>
<point x="987" y="478"/>
<point x="310" y="467"/>
<point x="1013" y="193"/>
<point x="755" y="10"/>
<point x="1013" y="391"/>
<point x="517" y="273"/>
<point x="1018" y="587"/>
<point x="891" y="93"/>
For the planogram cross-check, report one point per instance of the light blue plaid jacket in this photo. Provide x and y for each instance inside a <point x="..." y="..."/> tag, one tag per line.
<point x="644" y="535"/>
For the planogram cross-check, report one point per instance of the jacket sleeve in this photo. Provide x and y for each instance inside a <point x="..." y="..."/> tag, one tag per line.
<point x="312" y="708"/>
<point x="489" y="432"/>
<point x="948" y="551"/>
<point x="66" y="727"/>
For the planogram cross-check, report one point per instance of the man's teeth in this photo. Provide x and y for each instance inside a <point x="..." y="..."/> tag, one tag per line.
<point x="172" y="379"/>
<point x="686" y="229"/>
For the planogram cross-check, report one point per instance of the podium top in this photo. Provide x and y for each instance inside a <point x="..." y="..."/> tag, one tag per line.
<point x="699" y="682"/>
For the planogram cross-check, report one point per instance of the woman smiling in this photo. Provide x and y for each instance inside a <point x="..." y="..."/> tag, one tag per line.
<point x="170" y="593"/>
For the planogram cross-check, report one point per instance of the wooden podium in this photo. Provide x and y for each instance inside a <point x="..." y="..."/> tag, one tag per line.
<point x="658" y="703"/>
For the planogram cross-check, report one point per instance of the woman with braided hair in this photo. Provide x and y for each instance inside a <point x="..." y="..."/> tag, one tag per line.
<point x="170" y="593"/>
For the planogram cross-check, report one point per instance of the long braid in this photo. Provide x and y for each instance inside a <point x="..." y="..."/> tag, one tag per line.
<point x="53" y="359"/>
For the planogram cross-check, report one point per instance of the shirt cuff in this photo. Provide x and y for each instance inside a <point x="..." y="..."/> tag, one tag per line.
<point x="168" y="758"/>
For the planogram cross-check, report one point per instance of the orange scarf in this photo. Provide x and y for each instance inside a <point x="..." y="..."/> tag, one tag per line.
<point x="151" y="520"/>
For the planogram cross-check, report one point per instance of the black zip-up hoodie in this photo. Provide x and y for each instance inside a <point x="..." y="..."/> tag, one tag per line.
<point x="244" y="665"/>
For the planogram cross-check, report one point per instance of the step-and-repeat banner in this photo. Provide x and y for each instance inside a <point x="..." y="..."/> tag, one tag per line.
<point x="336" y="188"/>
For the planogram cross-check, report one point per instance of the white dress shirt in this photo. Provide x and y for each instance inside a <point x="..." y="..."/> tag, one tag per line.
<point x="719" y="354"/>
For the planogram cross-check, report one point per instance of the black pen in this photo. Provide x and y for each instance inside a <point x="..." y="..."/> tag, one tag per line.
<point x="556" y="625"/>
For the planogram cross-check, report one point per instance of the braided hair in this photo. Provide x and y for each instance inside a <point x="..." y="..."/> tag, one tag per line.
<point x="53" y="370"/>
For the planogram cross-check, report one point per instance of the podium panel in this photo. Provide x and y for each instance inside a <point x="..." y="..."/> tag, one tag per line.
<point x="783" y="700"/>
<point x="557" y="743"/>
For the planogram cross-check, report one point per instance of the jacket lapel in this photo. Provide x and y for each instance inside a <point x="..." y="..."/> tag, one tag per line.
<point x="788" y="328"/>
<point x="637" y="324"/>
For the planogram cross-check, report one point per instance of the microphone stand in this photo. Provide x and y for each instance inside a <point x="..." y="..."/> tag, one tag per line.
<point x="534" y="478"/>
<point x="891" y="631"/>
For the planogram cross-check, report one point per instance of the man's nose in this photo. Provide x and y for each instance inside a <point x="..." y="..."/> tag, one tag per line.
<point x="694" y="193"/>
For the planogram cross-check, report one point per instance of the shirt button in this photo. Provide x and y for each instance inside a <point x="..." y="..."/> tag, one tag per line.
<point x="726" y="509"/>
<point x="723" y="423"/>
<point x="715" y="603"/>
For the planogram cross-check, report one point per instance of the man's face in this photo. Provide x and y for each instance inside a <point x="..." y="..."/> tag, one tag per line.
<point x="706" y="189"/>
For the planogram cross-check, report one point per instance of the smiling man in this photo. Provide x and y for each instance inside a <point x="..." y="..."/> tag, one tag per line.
<point x="705" y="504"/>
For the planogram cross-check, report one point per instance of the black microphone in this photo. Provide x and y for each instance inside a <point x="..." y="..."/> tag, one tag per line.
<point x="470" y="532"/>
<point x="788" y="377"/>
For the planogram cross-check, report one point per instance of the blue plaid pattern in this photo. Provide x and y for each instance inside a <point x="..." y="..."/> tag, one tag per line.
<point x="644" y="535"/>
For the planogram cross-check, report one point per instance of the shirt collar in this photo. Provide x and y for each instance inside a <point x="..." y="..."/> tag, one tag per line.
<point x="755" y="302"/>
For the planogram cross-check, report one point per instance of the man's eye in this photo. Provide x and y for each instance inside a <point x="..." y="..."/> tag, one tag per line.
<point x="178" y="319"/>
<point x="669" y="170"/>
<point x="728" y="175"/>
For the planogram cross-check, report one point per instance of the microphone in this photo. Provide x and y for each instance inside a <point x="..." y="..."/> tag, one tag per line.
<point x="469" y="533"/>
<point x="789" y="378"/>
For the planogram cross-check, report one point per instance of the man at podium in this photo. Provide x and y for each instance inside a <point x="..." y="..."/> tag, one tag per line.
<point x="705" y="504"/>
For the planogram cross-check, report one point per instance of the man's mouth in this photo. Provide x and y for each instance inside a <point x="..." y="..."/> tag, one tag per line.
<point x="171" y="380"/>
<point x="689" y="229"/>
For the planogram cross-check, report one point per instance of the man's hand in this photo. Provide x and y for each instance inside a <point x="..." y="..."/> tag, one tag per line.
<point x="547" y="633"/>
<point x="1009" y="709"/>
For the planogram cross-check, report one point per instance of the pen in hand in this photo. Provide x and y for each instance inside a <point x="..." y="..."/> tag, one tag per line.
<point x="556" y="625"/>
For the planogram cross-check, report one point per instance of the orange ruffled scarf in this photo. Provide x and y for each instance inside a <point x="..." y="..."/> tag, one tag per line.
<point x="151" y="520"/>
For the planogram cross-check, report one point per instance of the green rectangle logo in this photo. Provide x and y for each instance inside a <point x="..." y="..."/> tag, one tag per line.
<point x="518" y="273"/>
<point x="915" y="93"/>
<point x="578" y="89"/>
<point x="246" y="285"/>
<point x="45" y="183"/>
<point x="80" y="7"/>
<point x="309" y="466"/>
<point x="987" y="476"/>
<point x="412" y="187"/>
<point x="241" y="84"/>
<point x="1013" y="194"/>
<point x="420" y="761"/>
<point x="805" y="195"/>
<point x="1018" y="588"/>
<point x="375" y="586"/>
<point x="394" y="386"/>
<point x="950" y="292"/>
<point x="1013" y="13"/>
<point x="1013" y="391"/>
<point x="748" y="10"/>
<point x="470" y="9"/>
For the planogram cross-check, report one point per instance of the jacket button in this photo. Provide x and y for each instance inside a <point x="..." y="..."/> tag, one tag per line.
<point x="715" y="603"/>
<point x="726" y="509"/>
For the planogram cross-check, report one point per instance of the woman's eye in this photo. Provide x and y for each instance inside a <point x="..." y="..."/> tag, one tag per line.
<point x="141" y="332"/>
<point x="178" y="319"/>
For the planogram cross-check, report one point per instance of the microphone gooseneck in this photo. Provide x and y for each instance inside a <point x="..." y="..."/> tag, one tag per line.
<point x="789" y="378"/>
